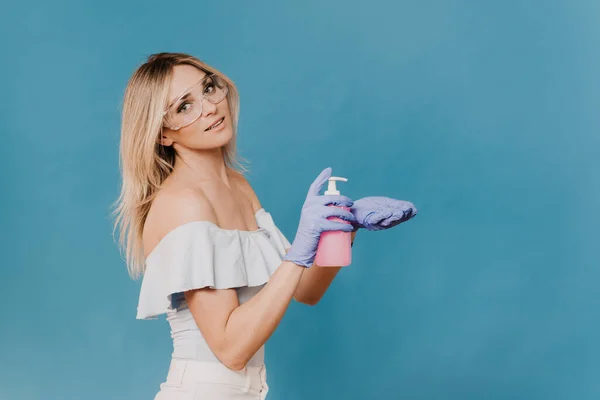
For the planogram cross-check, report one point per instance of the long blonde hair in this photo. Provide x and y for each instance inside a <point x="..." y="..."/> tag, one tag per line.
<point x="144" y="162"/>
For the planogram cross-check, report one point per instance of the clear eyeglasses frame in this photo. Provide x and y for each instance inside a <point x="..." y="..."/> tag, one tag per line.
<point x="187" y="108"/>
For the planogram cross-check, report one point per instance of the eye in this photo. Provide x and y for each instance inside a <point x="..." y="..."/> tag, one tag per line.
<point x="184" y="107"/>
<point x="210" y="87"/>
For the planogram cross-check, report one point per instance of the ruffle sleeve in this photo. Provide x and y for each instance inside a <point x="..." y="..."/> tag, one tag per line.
<point x="200" y="254"/>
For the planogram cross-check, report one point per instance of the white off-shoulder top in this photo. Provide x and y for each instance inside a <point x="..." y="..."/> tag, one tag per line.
<point x="197" y="255"/>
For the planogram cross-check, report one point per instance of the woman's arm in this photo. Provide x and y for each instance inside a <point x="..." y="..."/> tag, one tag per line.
<point x="235" y="332"/>
<point x="315" y="281"/>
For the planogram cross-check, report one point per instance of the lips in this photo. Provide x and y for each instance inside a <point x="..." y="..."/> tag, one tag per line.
<point x="216" y="122"/>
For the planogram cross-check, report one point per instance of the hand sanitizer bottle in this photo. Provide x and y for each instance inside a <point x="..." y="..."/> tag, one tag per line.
<point x="334" y="249"/>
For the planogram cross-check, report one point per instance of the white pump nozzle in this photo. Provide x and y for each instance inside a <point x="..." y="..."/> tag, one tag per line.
<point x="331" y="189"/>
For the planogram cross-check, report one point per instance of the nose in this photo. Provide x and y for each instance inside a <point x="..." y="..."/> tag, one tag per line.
<point x="208" y="108"/>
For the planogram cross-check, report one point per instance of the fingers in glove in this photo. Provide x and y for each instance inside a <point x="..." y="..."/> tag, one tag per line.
<point x="390" y="222"/>
<point x="328" y="212"/>
<point x="317" y="185"/>
<point x="336" y="200"/>
<point x="336" y="226"/>
<point x="398" y="218"/>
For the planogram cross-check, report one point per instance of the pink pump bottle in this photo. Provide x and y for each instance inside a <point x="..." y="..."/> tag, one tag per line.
<point x="334" y="248"/>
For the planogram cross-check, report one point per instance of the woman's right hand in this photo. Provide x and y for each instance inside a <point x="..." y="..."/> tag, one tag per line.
<point x="313" y="221"/>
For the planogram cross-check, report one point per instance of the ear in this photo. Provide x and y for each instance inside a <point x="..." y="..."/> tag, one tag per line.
<point x="165" y="141"/>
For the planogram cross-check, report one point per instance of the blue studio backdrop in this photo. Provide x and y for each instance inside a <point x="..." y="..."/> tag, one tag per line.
<point x="485" y="114"/>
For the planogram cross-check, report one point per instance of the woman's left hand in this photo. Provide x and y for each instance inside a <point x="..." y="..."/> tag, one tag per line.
<point x="378" y="213"/>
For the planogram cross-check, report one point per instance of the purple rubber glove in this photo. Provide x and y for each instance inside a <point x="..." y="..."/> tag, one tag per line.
<point x="378" y="213"/>
<point x="313" y="221"/>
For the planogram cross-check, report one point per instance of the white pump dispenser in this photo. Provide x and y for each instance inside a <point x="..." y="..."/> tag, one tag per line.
<point x="331" y="188"/>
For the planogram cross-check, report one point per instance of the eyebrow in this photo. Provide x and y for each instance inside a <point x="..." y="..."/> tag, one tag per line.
<point x="186" y="95"/>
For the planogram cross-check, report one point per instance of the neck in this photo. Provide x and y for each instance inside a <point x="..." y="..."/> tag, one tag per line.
<point x="201" y="165"/>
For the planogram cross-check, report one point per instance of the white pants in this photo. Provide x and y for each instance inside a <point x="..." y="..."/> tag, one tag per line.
<point x="197" y="380"/>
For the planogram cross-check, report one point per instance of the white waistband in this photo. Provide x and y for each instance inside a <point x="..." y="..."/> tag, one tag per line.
<point x="183" y="371"/>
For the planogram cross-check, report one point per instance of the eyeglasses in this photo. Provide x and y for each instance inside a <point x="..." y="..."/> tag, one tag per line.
<point x="187" y="108"/>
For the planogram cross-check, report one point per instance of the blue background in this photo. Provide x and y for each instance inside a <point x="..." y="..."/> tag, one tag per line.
<point x="485" y="114"/>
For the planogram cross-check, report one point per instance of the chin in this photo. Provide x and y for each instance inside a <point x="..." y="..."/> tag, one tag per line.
<point x="225" y="136"/>
<point x="219" y="139"/>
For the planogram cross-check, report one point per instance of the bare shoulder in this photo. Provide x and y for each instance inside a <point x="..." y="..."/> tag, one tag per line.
<point x="183" y="205"/>
<point x="172" y="208"/>
<point x="245" y="186"/>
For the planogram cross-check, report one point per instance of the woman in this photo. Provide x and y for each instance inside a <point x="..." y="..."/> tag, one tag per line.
<point x="211" y="257"/>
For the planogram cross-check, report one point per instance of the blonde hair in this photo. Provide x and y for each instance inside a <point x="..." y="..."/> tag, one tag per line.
<point x="144" y="162"/>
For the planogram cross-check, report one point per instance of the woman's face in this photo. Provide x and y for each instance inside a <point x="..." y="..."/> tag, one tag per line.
<point x="197" y="135"/>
